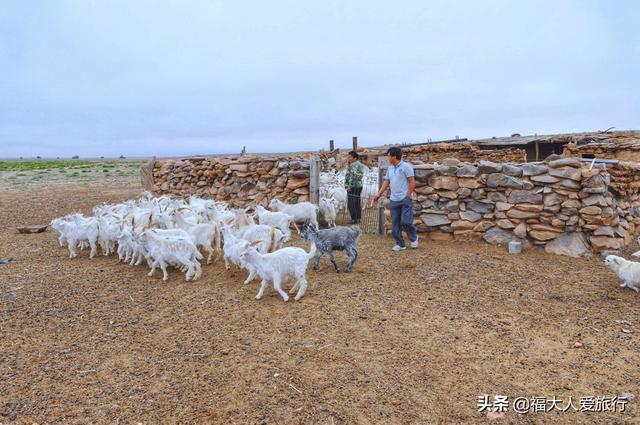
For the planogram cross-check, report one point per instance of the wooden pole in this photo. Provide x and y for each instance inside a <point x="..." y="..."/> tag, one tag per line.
<point x="537" y="151"/>
<point x="355" y="143"/>
<point x="383" y="164"/>
<point x="146" y="175"/>
<point x="331" y="146"/>
<point x="314" y="180"/>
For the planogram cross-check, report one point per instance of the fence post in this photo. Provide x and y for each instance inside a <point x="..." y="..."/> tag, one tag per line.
<point x="314" y="180"/>
<point x="331" y="146"/>
<point x="146" y="174"/>
<point x="355" y="143"/>
<point x="383" y="164"/>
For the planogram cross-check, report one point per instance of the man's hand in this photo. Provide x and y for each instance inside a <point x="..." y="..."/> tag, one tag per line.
<point x="409" y="194"/>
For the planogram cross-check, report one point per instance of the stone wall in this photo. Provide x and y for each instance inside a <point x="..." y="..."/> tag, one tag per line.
<point x="537" y="203"/>
<point x="622" y="145"/>
<point x="625" y="178"/>
<point x="436" y="152"/>
<point x="238" y="180"/>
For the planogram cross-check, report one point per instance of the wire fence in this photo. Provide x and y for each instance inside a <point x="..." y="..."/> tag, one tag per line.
<point x="358" y="209"/>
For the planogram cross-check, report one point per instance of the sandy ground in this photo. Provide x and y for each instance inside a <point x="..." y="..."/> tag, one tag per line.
<point x="408" y="338"/>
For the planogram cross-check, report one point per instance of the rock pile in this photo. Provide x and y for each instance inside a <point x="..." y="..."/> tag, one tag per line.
<point x="537" y="203"/>
<point x="237" y="180"/>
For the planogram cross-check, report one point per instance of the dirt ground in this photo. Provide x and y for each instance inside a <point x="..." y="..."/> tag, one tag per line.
<point x="406" y="338"/>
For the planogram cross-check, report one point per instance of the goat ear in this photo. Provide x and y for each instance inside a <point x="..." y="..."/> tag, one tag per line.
<point x="618" y="260"/>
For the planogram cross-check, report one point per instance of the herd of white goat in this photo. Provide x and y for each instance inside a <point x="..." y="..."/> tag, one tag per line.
<point x="165" y="231"/>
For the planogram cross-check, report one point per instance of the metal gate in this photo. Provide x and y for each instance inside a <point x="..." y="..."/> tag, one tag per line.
<point x="359" y="208"/>
<point x="369" y="216"/>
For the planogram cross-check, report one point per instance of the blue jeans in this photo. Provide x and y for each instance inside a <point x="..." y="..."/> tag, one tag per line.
<point x="402" y="217"/>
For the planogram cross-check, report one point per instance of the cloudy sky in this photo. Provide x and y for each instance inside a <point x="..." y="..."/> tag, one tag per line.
<point x="180" y="77"/>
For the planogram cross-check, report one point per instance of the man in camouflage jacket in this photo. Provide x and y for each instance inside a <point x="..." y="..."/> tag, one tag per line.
<point x="353" y="185"/>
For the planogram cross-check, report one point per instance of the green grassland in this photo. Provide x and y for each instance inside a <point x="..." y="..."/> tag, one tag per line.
<point x="17" y="172"/>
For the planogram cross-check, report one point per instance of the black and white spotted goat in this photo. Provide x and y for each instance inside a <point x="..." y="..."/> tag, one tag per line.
<point x="339" y="238"/>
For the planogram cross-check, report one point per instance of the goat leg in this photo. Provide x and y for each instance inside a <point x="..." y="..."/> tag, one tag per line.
<point x="295" y="287"/>
<point x="277" y="284"/>
<point x="153" y="268"/>
<point x="252" y="275"/>
<point x="316" y="266"/>
<point x="163" y="266"/>
<point x="353" y="255"/>
<point x="263" y="286"/>
<point x="302" y="283"/>
<point x="333" y="260"/>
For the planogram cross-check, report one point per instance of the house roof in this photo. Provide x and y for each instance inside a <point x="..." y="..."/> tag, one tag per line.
<point x="587" y="137"/>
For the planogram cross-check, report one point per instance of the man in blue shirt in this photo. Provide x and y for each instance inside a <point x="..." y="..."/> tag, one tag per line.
<point x="402" y="182"/>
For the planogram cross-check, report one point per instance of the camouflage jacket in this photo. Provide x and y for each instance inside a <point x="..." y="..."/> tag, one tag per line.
<point x="355" y="172"/>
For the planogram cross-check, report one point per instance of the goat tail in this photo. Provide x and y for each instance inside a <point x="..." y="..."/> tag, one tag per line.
<point x="312" y="250"/>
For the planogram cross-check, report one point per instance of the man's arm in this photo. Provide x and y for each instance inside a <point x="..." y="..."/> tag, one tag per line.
<point x="412" y="186"/>
<point x="384" y="187"/>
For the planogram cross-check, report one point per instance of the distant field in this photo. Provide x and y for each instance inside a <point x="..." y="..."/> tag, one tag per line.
<point x="17" y="172"/>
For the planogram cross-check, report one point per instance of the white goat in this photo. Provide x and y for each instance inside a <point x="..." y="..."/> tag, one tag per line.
<point x="269" y="238"/>
<point x="57" y="226"/>
<point x="233" y="247"/>
<point x="278" y="219"/>
<point x="338" y="193"/>
<point x="279" y="266"/>
<point x="76" y="228"/>
<point x="202" y="234"/>
<point x="108" y="230"/>
<point x="300" y="212"/>
<point x="173" y="250"/>
<point x="328" y="209"/>
<point x="627" y="271"/>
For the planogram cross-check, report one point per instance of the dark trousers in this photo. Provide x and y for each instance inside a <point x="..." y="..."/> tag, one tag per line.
<point x="402" y="218"/>
<point x="353" y="203"/>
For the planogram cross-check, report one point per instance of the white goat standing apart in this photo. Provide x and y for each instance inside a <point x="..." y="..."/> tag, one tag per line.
<point x="76" y="228"/>
<point x="279" y="266"/>
<point x="300" y="212"/>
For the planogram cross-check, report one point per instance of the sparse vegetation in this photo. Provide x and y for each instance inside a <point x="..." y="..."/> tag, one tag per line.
<point x="41" y="171"/>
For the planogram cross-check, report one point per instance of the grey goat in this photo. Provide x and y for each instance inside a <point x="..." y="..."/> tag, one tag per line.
<point x="336" y="238"/>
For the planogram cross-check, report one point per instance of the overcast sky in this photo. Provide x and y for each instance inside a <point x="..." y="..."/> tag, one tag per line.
<point x="136" y="77"/>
